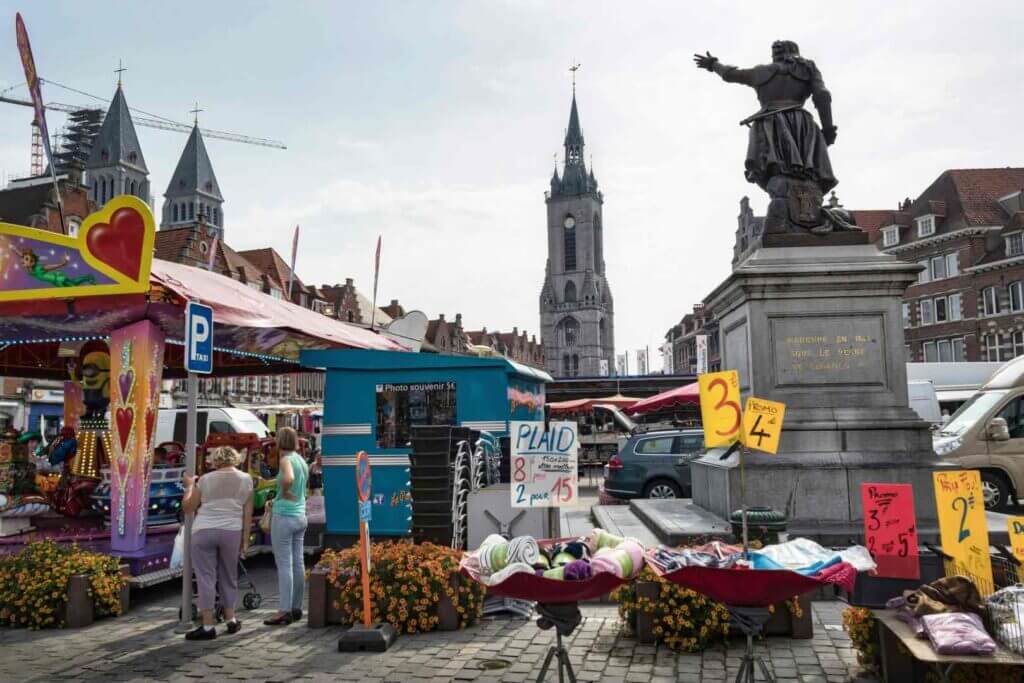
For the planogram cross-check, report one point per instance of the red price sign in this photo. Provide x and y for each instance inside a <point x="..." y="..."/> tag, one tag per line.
<point x="890" y="529"/>
<point x="363" y="479"/>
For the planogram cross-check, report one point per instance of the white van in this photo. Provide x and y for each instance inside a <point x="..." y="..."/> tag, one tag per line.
<point x="170" y="423"/>
<point x="925" y="401"/>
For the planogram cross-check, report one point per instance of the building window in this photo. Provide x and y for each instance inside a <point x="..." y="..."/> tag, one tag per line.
<point x="959" y="353"/>
<point x="939" y="306"/>
<point x="925" y="312"/>
<point x="990" y="347"/>
<point x="938" y="267"/>
<point x="174" y="213"/>
<point x="1016" y="296"/>
<point x="570" y="332"/>
<point x="954" y="309"/>
<point x="566" y="365"/>
<point x="990" y="301"/>
<point x="1018" y="343"/>
<point x="275" y="292"/>
<point x="570" y="292"/>
<point x="569" y="243"/>
<point x="906" y="315"/>
<point x="943" y="350"/>
<point x="1015" y="244"/>
<point x="191" y="211"/>
<point x="931" y="354"/>
<point x="73" y="226"/>
<point x="575" y="365"/>
<point x="952" y="264"/>
<point x="891" y="236"/>
<point x="925" y="226"/>
<point x="924" y="277"/>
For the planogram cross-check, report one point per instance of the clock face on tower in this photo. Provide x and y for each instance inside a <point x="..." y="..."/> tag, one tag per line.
<point x="569" y="223"/>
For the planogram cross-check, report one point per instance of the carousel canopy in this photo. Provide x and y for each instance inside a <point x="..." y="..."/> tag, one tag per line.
<point x="254" y="333"/>
<point x="688" y="394"/>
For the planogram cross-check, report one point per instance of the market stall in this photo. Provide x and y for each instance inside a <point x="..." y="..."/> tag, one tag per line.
<point x="678" y="407"/>
<point x="373" y="399"/>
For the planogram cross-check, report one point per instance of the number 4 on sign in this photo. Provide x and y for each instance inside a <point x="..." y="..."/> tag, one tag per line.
<point x="762" y="424"/>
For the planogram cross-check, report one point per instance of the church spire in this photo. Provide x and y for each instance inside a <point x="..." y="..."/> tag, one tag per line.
<point x="575" y="179"/>
<point x="193" y="190"/>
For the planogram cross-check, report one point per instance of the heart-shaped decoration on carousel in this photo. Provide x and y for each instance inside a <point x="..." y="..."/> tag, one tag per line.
<point x="124" y="417"/>
<point x="150" y="424"/>
<point x="119" y="241"/>
<point x="124" y="382"/>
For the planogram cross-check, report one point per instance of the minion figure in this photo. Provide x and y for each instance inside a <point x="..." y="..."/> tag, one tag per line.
<point x="95" y="380"/>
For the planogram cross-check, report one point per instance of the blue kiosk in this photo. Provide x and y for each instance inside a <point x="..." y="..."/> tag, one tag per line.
<point x="373" y="398"/>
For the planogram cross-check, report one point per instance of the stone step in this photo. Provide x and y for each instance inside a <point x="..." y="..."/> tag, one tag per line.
<point x="622" y="521"/>
<point x="679" y="522"/>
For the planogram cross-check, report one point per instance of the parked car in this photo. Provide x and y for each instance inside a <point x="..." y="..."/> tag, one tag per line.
<point x="654" y="464"/>
<point x="987" y="434"/>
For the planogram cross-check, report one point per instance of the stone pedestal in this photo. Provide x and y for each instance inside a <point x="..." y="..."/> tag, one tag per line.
<point x="820" y="328"/>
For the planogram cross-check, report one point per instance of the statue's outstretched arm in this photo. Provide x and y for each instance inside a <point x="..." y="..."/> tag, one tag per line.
<point x="731" y="74"/>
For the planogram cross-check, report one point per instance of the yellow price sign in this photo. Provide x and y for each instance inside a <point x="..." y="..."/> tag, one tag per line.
<point x="720" y="407"/>
<point x="762" y="424"/>
<point x="1016" y="526"/>
<point x="964" y="532"/>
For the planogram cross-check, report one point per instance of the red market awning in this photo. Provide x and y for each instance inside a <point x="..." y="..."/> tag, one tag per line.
<point x="684" y="395"/>
<point x="579" y="405"/>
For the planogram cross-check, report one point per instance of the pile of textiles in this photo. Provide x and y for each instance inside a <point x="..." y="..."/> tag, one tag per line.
<point x="599" y="551"/>
<point x="1006" y="614"/>
<point x="948" y="612"/>
<point x="799" y="555"/>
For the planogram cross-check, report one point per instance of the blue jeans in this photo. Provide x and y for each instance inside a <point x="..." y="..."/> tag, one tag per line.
<point x="286" y="534"/>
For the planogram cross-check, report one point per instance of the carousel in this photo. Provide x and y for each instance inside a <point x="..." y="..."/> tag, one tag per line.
<point x="98" y="312"/>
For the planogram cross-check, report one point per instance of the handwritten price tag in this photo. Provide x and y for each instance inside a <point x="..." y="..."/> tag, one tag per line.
<point x="544" y="470"/>
<point x="762" y="424"/>
<point x="890" y="529"/>
<point x="1016" y="525"/>
<point x="720" y="407"/>
<point x="961" y="508"/>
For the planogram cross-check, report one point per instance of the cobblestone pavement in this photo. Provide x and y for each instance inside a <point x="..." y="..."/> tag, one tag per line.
<point x="142" y="645"/>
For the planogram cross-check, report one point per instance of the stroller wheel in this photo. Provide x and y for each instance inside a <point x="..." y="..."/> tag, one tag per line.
<point x="252" y="601"/>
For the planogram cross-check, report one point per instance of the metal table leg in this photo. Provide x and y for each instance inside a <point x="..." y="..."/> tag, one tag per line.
<point x="564" y="619"/>
<point x="751" y="621"/>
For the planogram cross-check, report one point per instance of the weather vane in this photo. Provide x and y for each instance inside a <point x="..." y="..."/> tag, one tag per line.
<point x="119" y="70"/>
<point x="574" y="68"/>
<point x="195" y="113"/>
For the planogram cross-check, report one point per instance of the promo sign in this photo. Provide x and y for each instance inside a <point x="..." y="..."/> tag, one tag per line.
<point x="1016" y="525"/>
<point x="544" y="470"/>
<point x="890" y="529"/>
<point x="962" y="525"/>
<point x="762" y="424"/>
<point x="720" y="407"/>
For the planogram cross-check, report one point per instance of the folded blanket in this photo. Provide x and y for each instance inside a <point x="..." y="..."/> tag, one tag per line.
<point x="803" y="552"/>
<point x="842" y="574"/>
<point x="599" y="538"/>
<point x="493" y="554"/>
<point x="513" y="568"/>
<point x="958" y="633"/>
<point x="624" y="560"/>
<point x="578" y="570"/>
<point x="523" y="549"/>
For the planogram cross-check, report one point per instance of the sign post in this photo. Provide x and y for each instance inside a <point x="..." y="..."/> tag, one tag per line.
<point x="198" y="359"/>
<point x="367" y="636"/>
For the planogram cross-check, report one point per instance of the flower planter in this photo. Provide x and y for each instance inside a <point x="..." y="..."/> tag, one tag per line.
<point x="324" y="597"/>
<point x="79" y="610"/>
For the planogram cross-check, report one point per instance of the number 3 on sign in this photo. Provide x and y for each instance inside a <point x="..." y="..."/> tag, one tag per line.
<point x="720" y="407"/>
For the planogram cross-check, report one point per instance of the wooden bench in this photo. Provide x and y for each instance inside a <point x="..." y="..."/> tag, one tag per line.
<point x="899" y="666"/>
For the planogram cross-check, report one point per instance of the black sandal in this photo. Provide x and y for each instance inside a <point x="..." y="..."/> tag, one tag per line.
<point x="279" y="620"/>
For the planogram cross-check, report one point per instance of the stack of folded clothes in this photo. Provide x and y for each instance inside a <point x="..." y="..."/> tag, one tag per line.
<point x="599" y="551"/>
<point x="948" y="612"/>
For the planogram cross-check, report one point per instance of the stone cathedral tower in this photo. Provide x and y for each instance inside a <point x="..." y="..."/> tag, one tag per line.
<point x="576" y="311"/>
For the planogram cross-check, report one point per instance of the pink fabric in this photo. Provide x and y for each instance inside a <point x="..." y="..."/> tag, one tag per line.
<point x="743" y="587"/>
<point x="842" y="574"/>
<point x="688" y="394"/>
<point x="958" y="633"/>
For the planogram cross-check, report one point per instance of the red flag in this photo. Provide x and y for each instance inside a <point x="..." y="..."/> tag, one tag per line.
<point x="213" y="253"/>
<point x="376" y="274"/>
<point x="295" y="251"/>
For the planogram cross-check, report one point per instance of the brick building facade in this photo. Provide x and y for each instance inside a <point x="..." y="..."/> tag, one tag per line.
<point x="966" y="230"/>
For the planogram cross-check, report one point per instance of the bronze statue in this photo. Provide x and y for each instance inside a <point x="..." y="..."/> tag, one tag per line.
<point x="787" y="155"/>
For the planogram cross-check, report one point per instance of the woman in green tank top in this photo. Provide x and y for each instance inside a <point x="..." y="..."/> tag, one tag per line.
<point x="288" y="528"/>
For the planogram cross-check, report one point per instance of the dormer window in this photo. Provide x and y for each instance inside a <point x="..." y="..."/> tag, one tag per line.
<point x="133" y="157"/>
<point x="926" y="225"/>
<point x="208" y="186"/>
<point x="890" y="236"/>
<point x="1015" y="244"/>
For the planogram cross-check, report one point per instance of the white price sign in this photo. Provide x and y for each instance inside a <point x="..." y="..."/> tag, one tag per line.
<point x="544" y="470"/>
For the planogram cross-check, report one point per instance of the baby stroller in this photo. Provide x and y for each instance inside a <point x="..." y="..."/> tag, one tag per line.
<point x="252" y="599"/>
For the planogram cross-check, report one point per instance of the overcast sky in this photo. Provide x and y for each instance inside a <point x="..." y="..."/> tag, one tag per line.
<point x="434" y="124"/>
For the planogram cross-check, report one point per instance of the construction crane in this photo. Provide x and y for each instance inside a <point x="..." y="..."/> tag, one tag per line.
<point x="139" y="118"/>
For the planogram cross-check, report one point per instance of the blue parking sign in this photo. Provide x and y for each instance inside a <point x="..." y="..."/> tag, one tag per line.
<point x="198" y="338"/>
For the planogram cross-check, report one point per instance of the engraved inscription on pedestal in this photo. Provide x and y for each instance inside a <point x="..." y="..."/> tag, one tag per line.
<point x="822" y="351"/>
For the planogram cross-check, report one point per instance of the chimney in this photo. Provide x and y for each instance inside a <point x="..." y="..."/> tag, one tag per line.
<point x="394" y="302"/>
<point x="348" y="282"/>
<point x="441" y="317"/>
<point x="515" y="331"/>
<point x="458" y="319"/>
